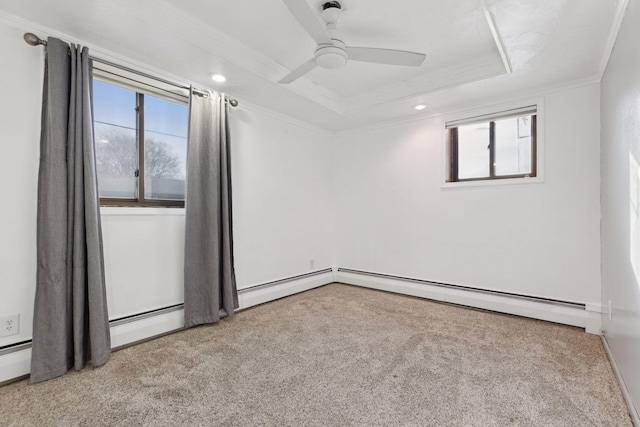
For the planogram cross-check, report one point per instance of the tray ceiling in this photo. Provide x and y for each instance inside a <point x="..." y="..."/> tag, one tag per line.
<point x="255" y="43"/>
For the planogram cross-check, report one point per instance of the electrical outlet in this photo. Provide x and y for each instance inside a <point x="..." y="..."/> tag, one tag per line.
<point x="9" y="325"/>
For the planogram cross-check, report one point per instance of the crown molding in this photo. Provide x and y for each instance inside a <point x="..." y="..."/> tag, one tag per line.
<point x="313" y="92"/>
<point x="621" y="8"/>
<point x="24" y="25"/>
<point x="193" y="30"/>
<point x="248" y="106"/>
<point x="21" y="24"/>
<point x="473" y="70"/>
<point x="517" y="97"/>
<point x="218" y="43"/>
<point x="496" y="37"/>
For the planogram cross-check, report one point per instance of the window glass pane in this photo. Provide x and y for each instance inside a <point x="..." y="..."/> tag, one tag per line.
<point x="114" y="110"/>
<point x="165" y="148"/>
<point x="473" y="151"/>
<point x="513" y="146"/>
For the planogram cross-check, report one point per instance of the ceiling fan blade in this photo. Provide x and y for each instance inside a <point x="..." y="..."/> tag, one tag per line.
<point x="299" y="72"/>
<point x="385" y="56"/>
<point x="309" y="21"/>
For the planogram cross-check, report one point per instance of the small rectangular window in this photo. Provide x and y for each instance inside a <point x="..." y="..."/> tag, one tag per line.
<point x="495" y="146"/>
<point x="141" y="147"/>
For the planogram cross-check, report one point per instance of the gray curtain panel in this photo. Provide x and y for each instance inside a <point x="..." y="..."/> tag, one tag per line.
<point x="209" y="277"/>
<point x="70" y="325"/>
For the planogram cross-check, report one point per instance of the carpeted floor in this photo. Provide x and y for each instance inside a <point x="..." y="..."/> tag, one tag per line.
<point x="341" y="355"/>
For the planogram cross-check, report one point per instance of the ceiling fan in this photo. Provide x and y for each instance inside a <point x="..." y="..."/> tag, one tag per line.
<point x="331" y="51"/>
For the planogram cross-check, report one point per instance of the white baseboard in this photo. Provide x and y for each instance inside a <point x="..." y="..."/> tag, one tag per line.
<point x="593" y="318"/>
<point x="633" y="411"/>
<point x="573" y="315"/>
<point x="16" y="364"/>
<point x="137" y="330"/>
<point x="270" y="292"/>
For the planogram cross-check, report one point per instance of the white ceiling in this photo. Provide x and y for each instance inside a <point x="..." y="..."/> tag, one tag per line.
<point x="256" y="42"/>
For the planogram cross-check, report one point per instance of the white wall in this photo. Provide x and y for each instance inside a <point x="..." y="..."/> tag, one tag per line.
<point x="394" y="217"/>
<point x="620" y="139"/>
<point x="21" y="89"/>
<point x="282" y="222"/>
<point x="282" y="204"/>
<point x="143" y="250"/>
<point x="282" y="197"/>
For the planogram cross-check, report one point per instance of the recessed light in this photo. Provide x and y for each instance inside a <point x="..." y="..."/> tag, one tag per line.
<point x="104" y="141"/>
<point x="219" y="78"/>
<point x="420" y="107"/>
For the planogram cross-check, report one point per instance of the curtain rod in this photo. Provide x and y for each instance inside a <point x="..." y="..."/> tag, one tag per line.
<point x="34" y="40"/>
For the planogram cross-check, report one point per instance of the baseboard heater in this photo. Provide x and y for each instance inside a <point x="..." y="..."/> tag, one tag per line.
<point x="115" y="322"/>
<point x="587" y="316"/>
<point x="281" y="281"/>
<point x="464" y="288"/>
<point x="10" y="348"/>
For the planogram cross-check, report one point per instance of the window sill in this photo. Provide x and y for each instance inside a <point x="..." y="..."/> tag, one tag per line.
<point x="492" y="182"/>
<point x="135" y="211"/>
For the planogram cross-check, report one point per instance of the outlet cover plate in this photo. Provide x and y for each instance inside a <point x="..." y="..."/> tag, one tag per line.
<point x="9" y="325"/>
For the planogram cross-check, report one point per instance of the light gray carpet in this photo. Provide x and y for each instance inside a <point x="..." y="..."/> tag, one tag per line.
<point x="341" y="355"/>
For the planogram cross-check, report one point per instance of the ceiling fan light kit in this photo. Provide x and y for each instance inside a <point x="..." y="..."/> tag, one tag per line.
<point x="332" y="51"/>
<point x="331" y="57"/>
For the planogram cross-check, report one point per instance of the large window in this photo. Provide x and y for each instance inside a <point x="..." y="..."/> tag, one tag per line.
<point x="496" y="146"/>
<point x="141" y="147"/>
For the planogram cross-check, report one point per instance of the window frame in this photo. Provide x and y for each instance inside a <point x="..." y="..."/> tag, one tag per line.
<point x="535" y="104"/>
<point x="141" y="89"/>
<point x="453" y="152"/>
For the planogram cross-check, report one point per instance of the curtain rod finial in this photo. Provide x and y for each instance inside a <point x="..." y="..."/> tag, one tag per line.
<point x="33" y="40"/>
<point x="233" y="102"/>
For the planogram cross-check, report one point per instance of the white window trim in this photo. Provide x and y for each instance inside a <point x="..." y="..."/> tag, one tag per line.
<point x="489" y="110"/>
<point x="137" y="83"/>
<point x="140" y="211"/>
<point x="148" y="87"/>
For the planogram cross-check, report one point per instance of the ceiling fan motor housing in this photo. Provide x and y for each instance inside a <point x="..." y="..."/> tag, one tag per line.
<point x="331" y="50"/>
<point x="332" y="55"/>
